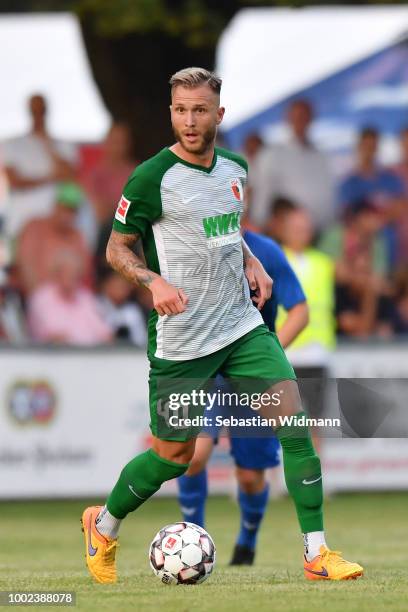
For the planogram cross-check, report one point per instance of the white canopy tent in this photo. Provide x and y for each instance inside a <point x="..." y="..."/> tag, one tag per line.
<point x="265" y="55"/>
<point x="44" y="53"/>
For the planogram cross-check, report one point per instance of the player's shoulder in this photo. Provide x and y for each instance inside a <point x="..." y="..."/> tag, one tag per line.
<point x="234" y="157"/>
<point x="269" y="245"/>
<point x="269" y="252"/>
<point x="153" y="168"/>
<point x="149" y="174"/>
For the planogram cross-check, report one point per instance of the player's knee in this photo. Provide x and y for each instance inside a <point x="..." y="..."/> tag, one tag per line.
<point x="177" y="452"/>
<point x="202" y="453"/>
<point x="183" y="456"/>
<point x="197" y="465"/>
<point x="251" y="482"/>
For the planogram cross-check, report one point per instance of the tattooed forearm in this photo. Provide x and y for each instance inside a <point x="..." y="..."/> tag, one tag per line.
<point x="144" y="274"/>
<point x="121" y="257"/>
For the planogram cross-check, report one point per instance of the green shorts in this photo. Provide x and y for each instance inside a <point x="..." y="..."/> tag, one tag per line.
<point x="254" y="362"/>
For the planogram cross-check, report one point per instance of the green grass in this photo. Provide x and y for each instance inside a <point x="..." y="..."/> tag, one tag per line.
<point x="42" y="549"/>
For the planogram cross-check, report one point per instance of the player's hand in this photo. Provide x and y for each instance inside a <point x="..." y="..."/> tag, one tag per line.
<point x="259" y="281"/>
<point x="167" y="300"/>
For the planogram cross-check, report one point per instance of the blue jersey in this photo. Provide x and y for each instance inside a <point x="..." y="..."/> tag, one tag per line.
<point x="286" y="290"/>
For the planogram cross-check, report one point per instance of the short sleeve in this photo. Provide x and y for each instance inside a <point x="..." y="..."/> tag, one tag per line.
<point x="140" y="204"/>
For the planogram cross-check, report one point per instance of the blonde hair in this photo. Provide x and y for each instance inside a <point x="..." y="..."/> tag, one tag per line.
<point x="194" y="77"/>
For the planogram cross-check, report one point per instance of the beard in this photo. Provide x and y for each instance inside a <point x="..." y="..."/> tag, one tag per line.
<point x="205" y="141"/>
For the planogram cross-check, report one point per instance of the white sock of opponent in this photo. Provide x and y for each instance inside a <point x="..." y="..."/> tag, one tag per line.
<point x="312" y="541"/>
<point x="107" y="524"/>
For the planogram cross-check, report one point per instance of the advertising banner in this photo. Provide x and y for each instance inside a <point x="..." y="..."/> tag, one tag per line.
<point x="70" y="419"/>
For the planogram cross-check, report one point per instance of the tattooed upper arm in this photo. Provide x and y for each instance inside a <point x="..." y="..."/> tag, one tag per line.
<point x="119" y="239"/>
<point x="117" y="242"/>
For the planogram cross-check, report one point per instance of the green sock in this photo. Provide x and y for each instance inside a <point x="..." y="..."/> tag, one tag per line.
<point x="139" y="480"/>
<point x="303" y="475"/>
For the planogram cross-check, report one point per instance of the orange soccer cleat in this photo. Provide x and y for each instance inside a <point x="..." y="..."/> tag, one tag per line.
<point x="100" y="550"/>
<point x="329" y="565"/>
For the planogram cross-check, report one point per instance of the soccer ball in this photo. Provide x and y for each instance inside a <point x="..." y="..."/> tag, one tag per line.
<point x="182" y="553"/>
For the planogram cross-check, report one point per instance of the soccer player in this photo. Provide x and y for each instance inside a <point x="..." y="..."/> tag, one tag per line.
<point x="185" y="205"/>
<point x="252" y="455"/>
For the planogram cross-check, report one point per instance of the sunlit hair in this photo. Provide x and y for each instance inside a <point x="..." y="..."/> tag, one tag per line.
<point x="194" y="77"/>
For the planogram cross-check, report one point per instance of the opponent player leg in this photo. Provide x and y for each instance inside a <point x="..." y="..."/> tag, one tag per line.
<point x="253" y="494"/>
<point x="252" y="456"/>
<point x="138" y="481"/>
<point x="192" y="485"/>
<point x="193" y="488"/>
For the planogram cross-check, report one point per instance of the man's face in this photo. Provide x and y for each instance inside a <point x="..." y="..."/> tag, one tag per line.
<point x="368" y="222"/>
<point x="299" y="118"/>
<point x="37" y="107"/>
<point x="195" y="115"/>
<point x="297" y="230"/>
<point x="64" y="217"/>
<point x="368" y="147"/>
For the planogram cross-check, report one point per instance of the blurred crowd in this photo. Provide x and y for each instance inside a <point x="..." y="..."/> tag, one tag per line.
<point x="355" y="226"/>
<point x="55" y="285"/>
<point x="346" y="239"/>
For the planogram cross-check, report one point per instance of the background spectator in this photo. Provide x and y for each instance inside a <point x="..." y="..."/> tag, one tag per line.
<point x="105" y="182"/>
<point x="399" y="316"/>
<point x="358" y="232"/>
<point x="401" y="170"/>
<point x="123" y="315"/>
<point x="380" y="186"/>
<point x="294" y="170"/>
<point x="43" y="238"/>
<point x="253" y="145"/>
<point x="34" y="163"/>
<point x="362" y="307"/>
<point x="63" y="311"/>
<point x="315" y="271"/>
<point x="359" y="252"/>
<point x="12" y="317"/>
<point x="274" y="224"/>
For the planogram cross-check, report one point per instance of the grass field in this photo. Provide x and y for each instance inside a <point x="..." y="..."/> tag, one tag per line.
<point x="42" y="549"/>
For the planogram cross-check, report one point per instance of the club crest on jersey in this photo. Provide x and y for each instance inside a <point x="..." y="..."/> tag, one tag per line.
<point x="122" y="209"/>
<point x="237" y="190"/>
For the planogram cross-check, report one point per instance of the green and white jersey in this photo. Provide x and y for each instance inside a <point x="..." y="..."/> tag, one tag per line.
<point x="188" y="217"/>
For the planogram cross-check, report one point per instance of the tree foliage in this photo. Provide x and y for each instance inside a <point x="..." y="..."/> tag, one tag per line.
<point x="198" y="23"/>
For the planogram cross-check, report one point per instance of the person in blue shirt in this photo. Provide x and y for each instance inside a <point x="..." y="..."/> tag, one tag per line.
<point x="251" y="455"/>
<point x="377" y="185"/>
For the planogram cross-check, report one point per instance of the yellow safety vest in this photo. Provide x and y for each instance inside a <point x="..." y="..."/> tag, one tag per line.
<point x="315" y="272"/>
